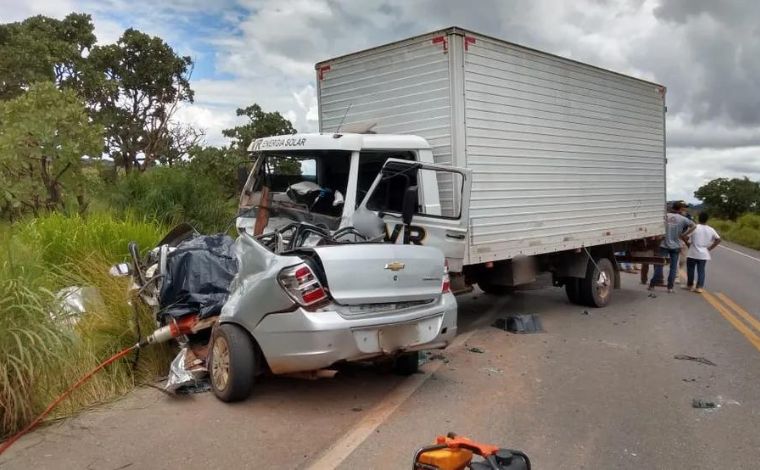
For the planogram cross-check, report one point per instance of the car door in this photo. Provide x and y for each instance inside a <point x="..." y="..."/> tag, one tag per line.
<point x="441" y="216"/>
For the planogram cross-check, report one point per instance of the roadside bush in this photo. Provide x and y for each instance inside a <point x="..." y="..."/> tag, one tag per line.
<point x="41" y="357"/>
<point x="58" y="238"/>
<point x="745" y="231"/>
<point x="174" y="195"/>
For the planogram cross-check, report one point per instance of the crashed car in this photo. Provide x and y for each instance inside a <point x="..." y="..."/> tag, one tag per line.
<point x="296" y="299"/>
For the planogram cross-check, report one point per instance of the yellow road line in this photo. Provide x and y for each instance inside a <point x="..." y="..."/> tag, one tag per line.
<point x="743" y="329"/>
<point x="754" y="322"/>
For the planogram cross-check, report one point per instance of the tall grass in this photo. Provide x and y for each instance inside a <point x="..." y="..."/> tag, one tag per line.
<point x="173" y="195"/>
<point x="40" y="357"/>
<point x="745" y="231"/>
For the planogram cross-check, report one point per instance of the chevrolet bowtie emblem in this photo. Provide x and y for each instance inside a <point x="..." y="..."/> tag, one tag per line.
<point x="395" y="266"/>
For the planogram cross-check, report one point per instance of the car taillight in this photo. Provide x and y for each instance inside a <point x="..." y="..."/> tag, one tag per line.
<point x="446" y="284"/>
<point x="302" y="285"/>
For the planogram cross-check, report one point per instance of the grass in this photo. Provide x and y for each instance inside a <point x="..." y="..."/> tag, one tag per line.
<point x="39" y="356"/>
<point x="745" y="231"/>
<point x="173" y="195"/>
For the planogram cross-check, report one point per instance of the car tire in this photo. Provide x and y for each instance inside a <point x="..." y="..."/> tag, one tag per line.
<point x="596" y="287"/>
<point x="407" y="363"/>
<point x="573" y="290"/>
<point x="232" y="363"/>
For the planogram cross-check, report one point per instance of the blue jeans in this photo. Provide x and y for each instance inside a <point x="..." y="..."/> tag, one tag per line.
<point x="673" y="255"/>
<point x="700" y="264"/>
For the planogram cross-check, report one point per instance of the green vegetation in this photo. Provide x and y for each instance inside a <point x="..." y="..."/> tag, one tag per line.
<point x="41" y="353"/>
<point x="45" y="133"/>
<point x="730" y="198"/>
<point x="745" y="231"/>
<point x="174" y="195"/>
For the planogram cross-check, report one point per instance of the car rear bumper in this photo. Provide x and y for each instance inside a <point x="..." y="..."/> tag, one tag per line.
<point x="302" y="340"/>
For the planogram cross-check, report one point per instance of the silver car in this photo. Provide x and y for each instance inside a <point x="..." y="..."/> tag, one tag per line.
<point x="313" y="307"/>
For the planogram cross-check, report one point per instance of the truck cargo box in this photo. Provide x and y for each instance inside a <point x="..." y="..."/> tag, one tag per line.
<point x="563" y="154"/>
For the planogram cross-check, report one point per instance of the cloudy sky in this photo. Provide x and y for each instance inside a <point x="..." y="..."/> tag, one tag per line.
<point x="706" y="52"/>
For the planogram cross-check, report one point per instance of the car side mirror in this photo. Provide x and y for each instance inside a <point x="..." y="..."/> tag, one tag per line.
<point x="409" y="205"/>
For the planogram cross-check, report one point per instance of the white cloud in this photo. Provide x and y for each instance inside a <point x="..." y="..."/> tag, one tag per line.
<point x="708" y="55"/>
<point x="689" y="168"/>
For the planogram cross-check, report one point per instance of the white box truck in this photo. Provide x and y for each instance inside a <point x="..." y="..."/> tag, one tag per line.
<point x="520" y="161"/>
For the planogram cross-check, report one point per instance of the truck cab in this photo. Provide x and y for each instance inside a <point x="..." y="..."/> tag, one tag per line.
<point x="324" y="179"/>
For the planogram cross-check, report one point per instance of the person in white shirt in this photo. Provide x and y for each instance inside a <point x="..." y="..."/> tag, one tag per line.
<point x="701" y="242"/>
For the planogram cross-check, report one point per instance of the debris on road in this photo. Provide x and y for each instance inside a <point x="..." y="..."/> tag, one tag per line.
<point x="585" y="312"/>
<point x="437" y="357"/>
<point x="476" y="349"/>
<point x="528" y="323"/>
<point x="356" y="409"/>
<point x="701" y="360"/>
<point x="703" y="404"/>
<point x="652" y="295"/>
<point x="492" y="370"/>
<point x="186" y="370"/>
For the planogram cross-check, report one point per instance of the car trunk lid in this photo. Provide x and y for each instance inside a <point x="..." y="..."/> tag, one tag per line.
<point x="374" y="273"/>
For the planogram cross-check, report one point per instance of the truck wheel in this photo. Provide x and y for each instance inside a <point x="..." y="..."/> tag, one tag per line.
<point x="596" y="287"/>
<point x="495" y="289"/>
<point x="407" y="363"/>
<point x="573" y="290"/>
<point x="232" y="361"/>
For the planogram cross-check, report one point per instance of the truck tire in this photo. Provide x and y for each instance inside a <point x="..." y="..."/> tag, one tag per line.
<point x="596" y="287"/>
<point x="232" y="363"/>
<point x="495" y="289"/>
<point x="407" y="363"/>
<point x="573" y="290"/>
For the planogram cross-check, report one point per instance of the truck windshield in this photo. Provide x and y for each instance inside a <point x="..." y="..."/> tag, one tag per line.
<point x="303" y="186"/>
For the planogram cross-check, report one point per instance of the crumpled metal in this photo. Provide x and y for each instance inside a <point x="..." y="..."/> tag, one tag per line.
<point x="180" y="375"/>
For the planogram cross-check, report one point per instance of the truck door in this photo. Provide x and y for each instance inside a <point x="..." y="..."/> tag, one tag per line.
<point x="440" y="214"/>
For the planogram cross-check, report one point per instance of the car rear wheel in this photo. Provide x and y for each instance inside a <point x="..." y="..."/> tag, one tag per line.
<point x="407" y="363"/>
<point x="232" y="363"/>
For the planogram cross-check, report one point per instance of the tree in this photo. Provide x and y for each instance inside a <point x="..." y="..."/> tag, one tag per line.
<point x="177" y="142"/>
<point x="223" y="164"/>
<point x="219" y="164"/>
<point x="44" y="49"/>
<point x="136" y="86"/>
<point x="730" y="197"/>
<point x="44" y="134"/>
<point x="260" y="124"/>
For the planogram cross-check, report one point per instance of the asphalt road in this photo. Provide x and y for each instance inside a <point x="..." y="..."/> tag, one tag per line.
<point x="595" y="390"/>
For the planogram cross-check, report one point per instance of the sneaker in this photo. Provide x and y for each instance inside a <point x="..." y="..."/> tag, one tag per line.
<point x="670" y="290"/>
<point x="699" y="290"/>
<point x="651" y="287"/>
<point x="693" y="289"/>
<point x="687" y="287"/>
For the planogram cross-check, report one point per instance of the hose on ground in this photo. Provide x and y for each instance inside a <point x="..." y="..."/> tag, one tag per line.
<point x="9" y="442"/>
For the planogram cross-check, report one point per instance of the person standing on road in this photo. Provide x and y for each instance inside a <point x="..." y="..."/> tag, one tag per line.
<point x="682" y="256"/>
<point x="702" y="241"/>
<point x="677" y="228"/>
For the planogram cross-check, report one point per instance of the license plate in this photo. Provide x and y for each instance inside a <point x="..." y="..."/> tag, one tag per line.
<point x="401" y="336"/>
